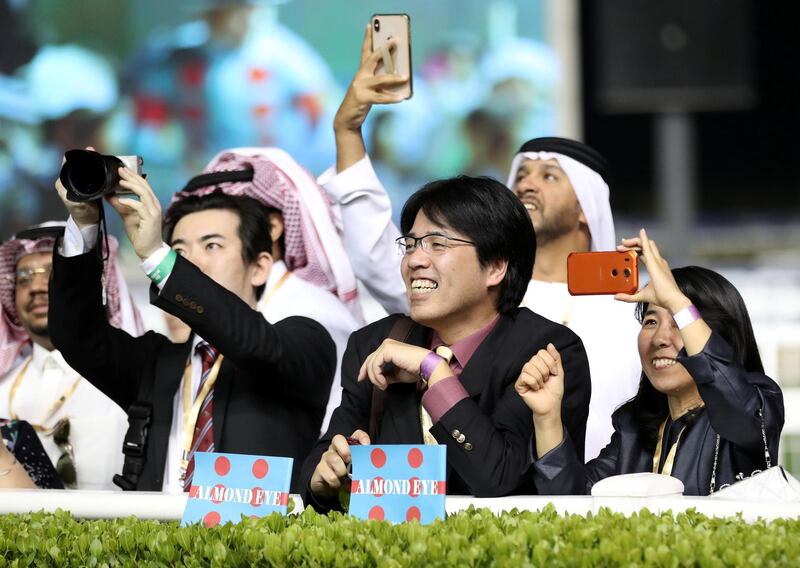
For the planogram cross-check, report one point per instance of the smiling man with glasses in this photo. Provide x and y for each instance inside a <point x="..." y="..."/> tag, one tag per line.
<point x="447" y="376"/>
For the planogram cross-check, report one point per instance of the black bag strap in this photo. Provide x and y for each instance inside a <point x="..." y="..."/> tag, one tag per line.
<point x="401" y="330"/>
<point x="134" y="446"/>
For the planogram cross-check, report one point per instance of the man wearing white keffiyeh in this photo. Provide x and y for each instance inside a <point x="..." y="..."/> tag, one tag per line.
<point x="562" y="184"/>
<point x="36" y="384"/>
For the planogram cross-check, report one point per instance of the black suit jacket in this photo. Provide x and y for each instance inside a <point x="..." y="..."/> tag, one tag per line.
<point x="732" y="397"/>
<point x="273" y="386"/>
<point x="494" y="420"/>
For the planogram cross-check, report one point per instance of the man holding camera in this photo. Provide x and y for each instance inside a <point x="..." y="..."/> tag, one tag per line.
<point x="80" y="428"/>
<point x="240" y="384"/>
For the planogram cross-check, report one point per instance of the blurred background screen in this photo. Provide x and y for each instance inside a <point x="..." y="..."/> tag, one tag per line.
<point x="177" y="82"/>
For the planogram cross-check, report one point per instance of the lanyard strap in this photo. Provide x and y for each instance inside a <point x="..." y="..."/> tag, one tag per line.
<point x="281" y="281"/>
<point x="54" y="407"/>
<point x="192" y="409"/>
<point x="667" y="470"/>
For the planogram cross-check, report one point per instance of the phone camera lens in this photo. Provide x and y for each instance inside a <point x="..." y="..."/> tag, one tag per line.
<point x="627" y="272"/>
<point x="377" y="25"/>
<point x="614" y="272"/>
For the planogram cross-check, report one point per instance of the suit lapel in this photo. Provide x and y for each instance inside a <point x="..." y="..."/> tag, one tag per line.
<point x="478" y="370"/>
<point x="690" y="449"/>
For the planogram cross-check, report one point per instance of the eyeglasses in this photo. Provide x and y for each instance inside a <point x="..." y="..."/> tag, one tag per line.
<point x="24" y="277"/>
<point x="65" y="467"/>
<point x="432" y="243"/>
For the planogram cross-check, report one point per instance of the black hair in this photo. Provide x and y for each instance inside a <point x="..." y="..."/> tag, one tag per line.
<point x="724" y="310"/>
<point x="253" y="222"/>
<point x="486" y="212"/>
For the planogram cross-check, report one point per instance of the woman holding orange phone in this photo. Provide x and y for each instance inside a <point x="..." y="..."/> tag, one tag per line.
<point x="705" y="412"/>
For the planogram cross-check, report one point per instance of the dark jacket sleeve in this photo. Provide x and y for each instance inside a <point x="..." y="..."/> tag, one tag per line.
<point x="561" y="472"/>
<point x="297" y="352"/>
<point x="577" y="389"/>
<point x="733" y="397"/>
<point x="108" y="357"/>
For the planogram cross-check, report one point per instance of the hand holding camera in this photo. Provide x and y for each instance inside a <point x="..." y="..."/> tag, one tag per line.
<point x="87" y="176"/>
<point x="142" y="217"/>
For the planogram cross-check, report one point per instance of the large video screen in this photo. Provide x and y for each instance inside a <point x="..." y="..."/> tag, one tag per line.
<point x="176" y="82"/>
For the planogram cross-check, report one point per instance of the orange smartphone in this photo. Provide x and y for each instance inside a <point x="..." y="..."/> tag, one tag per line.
<point x="602" y="272"/>
<point x="398" y="60"/>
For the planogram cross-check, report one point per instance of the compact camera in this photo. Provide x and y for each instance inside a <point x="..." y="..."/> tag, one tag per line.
<point x="89" y="175"/>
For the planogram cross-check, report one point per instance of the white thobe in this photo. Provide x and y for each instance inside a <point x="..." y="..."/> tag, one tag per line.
<point x="363" y="212"/>
<point x="97" y="424"/>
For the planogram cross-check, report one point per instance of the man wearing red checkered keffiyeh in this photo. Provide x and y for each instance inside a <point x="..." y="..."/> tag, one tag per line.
<point x="36" y="384"/>
<point x="15" y="339"/>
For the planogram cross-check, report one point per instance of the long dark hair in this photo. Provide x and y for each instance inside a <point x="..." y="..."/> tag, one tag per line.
<point x="723" y="309"/>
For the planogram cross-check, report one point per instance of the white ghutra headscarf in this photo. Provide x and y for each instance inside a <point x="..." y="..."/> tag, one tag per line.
<point x="586" y="170"/>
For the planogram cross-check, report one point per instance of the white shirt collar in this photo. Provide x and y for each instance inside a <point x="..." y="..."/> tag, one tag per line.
<point x="42" y="358"/>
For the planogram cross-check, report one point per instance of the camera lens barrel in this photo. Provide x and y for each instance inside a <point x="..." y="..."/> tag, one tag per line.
<point x="89" y="175"/>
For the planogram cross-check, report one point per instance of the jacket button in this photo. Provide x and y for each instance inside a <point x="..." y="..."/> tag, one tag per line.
<point x="467" y="447"/>
<point x="178" y="297"/>
<point x="192" y="305"/>
<point x="455" y="434"/>
<point x="461" y="439"/>
<point x="186" y="302"/>
<point x="200" y="309"/>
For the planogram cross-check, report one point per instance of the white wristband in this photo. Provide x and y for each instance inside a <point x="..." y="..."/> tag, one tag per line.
<point x="686" y="316"/>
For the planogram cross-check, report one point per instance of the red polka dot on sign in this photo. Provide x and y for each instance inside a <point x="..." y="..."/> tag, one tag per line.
<point x="222" y="465"/>
<point x="376" y="513"/>
<point x="377" y="487"/>
<point x="217" y="492"/>
<point x="378" y="457"/>
<point x="260" y="468"/>
<point x="413" y="514"/>
<point x="415" y="457"/>
<point x="258" y="497"/>
<point x="211" y="519"/>
<point x="415" y="488"/>
<point x="194" y="491"/>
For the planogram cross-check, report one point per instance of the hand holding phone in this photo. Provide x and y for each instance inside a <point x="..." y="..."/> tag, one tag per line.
<point x="396" y="59"/>
<point x="602" y="272"/>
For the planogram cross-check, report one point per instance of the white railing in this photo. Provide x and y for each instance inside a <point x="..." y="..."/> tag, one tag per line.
<point x="165" y="507"/>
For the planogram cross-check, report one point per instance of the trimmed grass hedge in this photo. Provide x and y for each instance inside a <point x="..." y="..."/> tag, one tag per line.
<point x="474" y="537"/>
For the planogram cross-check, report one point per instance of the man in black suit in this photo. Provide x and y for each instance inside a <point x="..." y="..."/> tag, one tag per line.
<point x="240" y="384"/>
<point x="467" y="259"/>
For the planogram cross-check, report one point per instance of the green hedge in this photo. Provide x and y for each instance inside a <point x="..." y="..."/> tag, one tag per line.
<point x="470" y="538"/>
